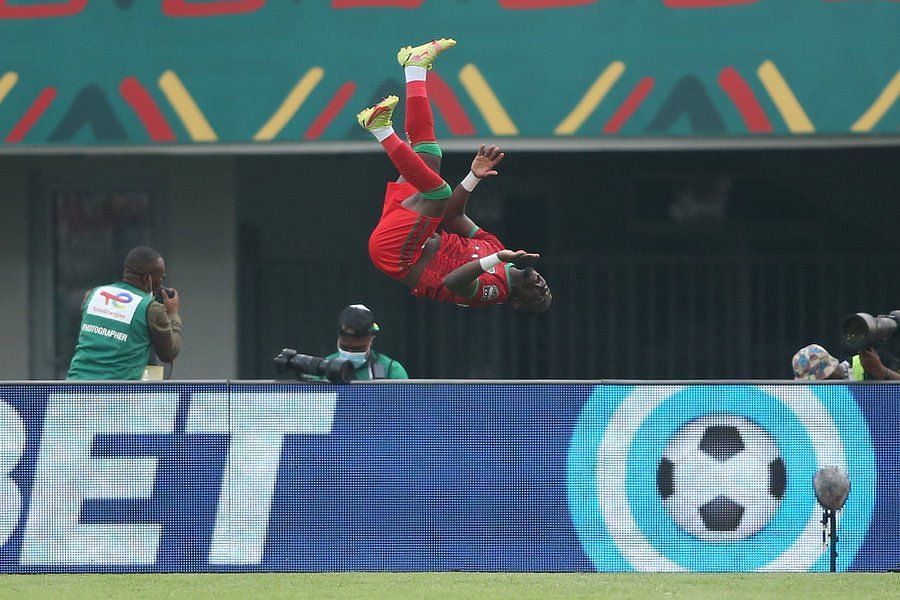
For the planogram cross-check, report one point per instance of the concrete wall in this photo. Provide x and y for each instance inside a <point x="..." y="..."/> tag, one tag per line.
<point x="201" y="250"/>
<point x="198" y="241"/>
<point x="14" y="338"/>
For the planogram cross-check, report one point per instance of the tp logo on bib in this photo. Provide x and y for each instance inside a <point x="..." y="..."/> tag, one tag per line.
<point x="113" y="303"/>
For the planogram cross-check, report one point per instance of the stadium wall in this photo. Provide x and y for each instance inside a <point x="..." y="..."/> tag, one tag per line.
<point x="255" y="74"/>
<point x="14" y="351"/>
<point x="201" y="242"/>
<point x="491" y="476"/>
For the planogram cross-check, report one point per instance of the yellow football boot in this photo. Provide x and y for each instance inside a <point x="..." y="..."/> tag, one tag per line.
<point x="379" y="115"/>
<point x="424" y="55"/>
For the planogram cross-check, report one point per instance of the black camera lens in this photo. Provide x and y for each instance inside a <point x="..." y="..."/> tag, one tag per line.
<point x="862" y="330"/>
<point x="856" y="330"/>
<point x="303" y="363"/>
<point x="339" y="370"/>
<point x="336" y="370"/>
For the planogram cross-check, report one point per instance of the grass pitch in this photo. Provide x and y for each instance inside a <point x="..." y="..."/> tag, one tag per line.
<point x="521" y="586"/>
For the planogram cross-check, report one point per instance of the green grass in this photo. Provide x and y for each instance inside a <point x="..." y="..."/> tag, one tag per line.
<point x="821" y="586"/>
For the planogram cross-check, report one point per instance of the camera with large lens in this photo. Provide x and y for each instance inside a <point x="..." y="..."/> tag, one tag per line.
<point x="862" y="330"/>
<point x="335" y="370"/>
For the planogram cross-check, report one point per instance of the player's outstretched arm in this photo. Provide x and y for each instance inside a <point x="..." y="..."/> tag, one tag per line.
<point x="484" y="165"/>
<point x="463" y="280"/>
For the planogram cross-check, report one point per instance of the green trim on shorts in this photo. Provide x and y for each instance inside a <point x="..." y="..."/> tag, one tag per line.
<point x="475" y="229"/>
<point x="428" y="148"/>
<point x="441" y="193"/>
<point x="475" y="285"/>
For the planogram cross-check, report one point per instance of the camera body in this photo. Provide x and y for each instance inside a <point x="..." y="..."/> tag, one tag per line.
<point x="336" y="370"/>
<point x="164" y="290"/>
<point x="862" y="330"/>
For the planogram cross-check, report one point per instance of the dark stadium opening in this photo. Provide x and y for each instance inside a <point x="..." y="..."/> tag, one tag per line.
<point x="671" y="265"/>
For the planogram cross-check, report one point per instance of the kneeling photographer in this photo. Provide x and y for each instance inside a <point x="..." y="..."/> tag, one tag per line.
<point x="356" y="333"/>
<point x="355" y="359"/>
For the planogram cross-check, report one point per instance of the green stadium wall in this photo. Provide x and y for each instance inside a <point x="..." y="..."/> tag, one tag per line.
<point x="81" y="73"/>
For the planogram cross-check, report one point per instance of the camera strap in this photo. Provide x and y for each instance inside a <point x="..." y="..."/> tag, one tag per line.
<point x="378" y="371"/>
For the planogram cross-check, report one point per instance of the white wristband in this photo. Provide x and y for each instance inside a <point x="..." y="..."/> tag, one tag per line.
<point x="470" y="181"/>
<point x="489" y="262"/>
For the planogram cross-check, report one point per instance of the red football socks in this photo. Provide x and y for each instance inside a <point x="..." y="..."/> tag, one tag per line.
<point x="410" y="165"/>
<point x="419" y="119"/>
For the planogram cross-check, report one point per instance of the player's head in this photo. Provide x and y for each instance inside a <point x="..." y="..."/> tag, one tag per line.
<point x="530" y="294"/>
<point x="356" y="331"/>
<point x="145" y="268"/>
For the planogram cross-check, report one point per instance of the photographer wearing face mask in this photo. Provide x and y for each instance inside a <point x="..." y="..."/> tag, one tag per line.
<point x="123" y="320"/>
<point x="356" y="332"/>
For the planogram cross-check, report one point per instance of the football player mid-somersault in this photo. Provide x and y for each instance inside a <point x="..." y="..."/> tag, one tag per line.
<point x="461" y="263"/>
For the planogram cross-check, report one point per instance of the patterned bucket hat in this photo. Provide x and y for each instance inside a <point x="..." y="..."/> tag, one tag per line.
<point x="813" y="362"/>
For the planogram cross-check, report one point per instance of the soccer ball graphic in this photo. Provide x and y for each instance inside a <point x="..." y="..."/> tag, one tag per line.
<point x="721" y="477"/>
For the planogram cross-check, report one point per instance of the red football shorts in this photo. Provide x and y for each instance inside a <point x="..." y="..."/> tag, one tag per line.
<point x="397" y="242"/>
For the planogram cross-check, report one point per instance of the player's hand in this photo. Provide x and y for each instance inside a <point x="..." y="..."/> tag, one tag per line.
<point x="872" y="364"/>
<point x="515" y="256"/>
<point x="486" y="160"/>
<point x="172" y="304"/>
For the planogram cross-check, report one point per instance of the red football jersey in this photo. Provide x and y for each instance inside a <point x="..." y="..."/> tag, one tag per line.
<point x="455" y="251"/>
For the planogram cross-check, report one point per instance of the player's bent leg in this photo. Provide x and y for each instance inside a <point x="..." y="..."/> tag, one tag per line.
<point x="377" y="120"/>
<point x="413" y="168"/>
<point x="396" y="243"/>
<point x="430" y="153"/>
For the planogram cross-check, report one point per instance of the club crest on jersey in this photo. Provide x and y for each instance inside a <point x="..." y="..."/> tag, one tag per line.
<point x="489" y="292"/>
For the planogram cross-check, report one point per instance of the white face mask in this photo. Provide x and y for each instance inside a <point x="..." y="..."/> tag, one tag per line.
<point x="357" y="358"/>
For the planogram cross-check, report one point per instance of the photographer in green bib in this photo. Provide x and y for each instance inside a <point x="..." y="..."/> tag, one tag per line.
<point x="122" y="321"/>
<point x="356" y="332"/>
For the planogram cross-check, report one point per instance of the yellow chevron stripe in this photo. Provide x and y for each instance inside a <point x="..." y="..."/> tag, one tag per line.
<point x="486" y="102"/>
<point x="883" y="103"/>
<point x="290" y="106"/>
<point x="589" y="102"/>
<point x="7" y="82"/>
<point x="784" y="99"/>
<point x="186" y="109"/>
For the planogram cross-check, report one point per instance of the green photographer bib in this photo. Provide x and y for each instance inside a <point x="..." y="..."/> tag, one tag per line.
<point x="114" y="340"/>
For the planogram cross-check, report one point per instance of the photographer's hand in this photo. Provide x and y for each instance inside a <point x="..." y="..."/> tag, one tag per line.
<point x="165" y="326"/>
<point x="872" y="364"/>
<point x="172" y="304"/>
